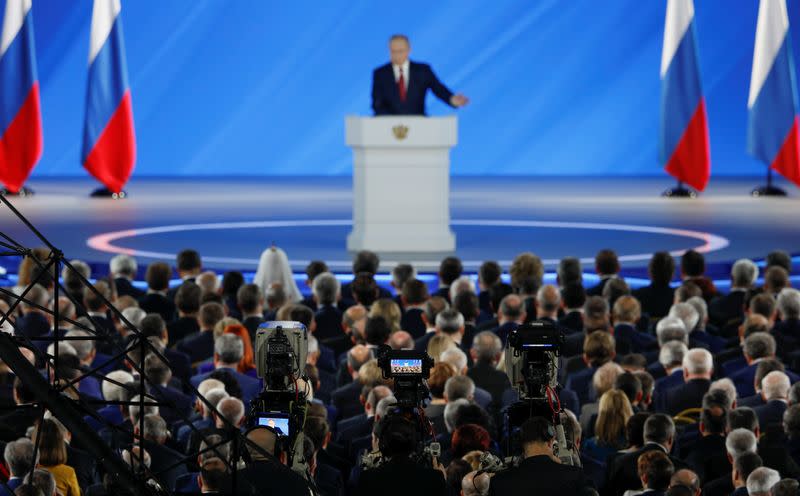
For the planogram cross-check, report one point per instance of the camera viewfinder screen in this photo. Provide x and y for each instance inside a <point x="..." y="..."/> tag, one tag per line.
<point x="281" y="425"/>
<point x="406" y="365"/>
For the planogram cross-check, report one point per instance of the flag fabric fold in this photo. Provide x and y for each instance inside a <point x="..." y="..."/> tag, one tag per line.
<point x="20" y="110"/>
<point x="684" y="145"/>
<point x="109" y="143"/>
<point x="772" y="132"/>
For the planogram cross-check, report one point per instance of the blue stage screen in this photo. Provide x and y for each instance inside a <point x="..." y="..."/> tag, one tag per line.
<point x="262" y="87"/>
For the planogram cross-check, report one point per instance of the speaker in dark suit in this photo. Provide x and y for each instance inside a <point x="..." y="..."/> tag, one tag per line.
<point x="400" y="87"/>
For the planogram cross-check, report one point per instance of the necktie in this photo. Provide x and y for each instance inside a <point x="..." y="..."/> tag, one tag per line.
<point x="401" y="86"/>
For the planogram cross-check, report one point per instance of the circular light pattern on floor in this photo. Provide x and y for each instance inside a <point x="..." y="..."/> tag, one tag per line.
<point x="104" y="242"/>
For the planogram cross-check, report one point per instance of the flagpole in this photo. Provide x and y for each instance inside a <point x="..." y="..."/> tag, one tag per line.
<point x="769" y="189"/>
<point x="679" y="191"/>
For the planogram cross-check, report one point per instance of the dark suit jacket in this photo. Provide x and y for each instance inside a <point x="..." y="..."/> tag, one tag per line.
<point x="345" y="399"/>
<point x="622" y="470"/>
<point x="162" y="457"/>
<point x="411" y="321"/>
<point x="580" y="383"/>
<point x="663" y="385"/>
<point x="572" y="321"/>
<point x="721" y="486"/>
<point x="656" y="300"/>
<point x="708" y="458"/>
<point x="269" y="479"/>
<point x="540" y="475"/>
<point x="160" y="304"/>
<point x="252" y="323"/>
<point x="125" y="288"/>
<point x="687" y="395"/>
<point x="329" y="322"/>
<point x="354" y="427"/>
<point x="197" y="347"/>
<point x="597" y="290"/>
<point x="401" y="478"/>
<point x="485" y="376"/>
<point x="504" y="330"/>
<point x="386" y="96"/>
<point x="770" y="414"/>
<point x="774" y="451"/>
<point x="181" y="328"/>
<point x="181" y="404"/>
<point x="84" y="465"/>
<point x="328" y="480"/>
<point x="744" y="380"/>
<point x="724" y="309"/>
<point x="32" y="324"/>
<point x="14" y="424"/>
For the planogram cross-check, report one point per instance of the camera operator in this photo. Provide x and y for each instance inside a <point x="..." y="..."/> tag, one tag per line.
<point x="541" y="471"/>
<point x="265" y="472"/>
<point x="400" y="475"/>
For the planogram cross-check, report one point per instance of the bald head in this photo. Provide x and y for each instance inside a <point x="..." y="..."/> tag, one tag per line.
<point x="354" y="320"/>
<point x="356" y="357"/>
<point x="265" y="439"/>
<point x="475" y="484"/>
<point x="688" y="478"/>
<point x="548" y="300"/>
<point x="401" y="340"/>
<point x="512" y="309"/>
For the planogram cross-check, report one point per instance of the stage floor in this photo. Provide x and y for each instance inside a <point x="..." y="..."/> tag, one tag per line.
<point x="231" y="220"/>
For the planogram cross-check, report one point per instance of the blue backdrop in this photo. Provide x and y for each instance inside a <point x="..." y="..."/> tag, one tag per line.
<point x="262" y="87"/>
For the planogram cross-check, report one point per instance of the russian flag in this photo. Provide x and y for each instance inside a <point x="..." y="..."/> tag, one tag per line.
<point x="772" y="134"/>
<point x="109" y="144"/>
<point x="20" y="112"/>
<point x="684" y="146"/>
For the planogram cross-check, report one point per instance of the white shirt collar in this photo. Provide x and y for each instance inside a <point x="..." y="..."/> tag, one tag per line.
<point x="396" y="70"/>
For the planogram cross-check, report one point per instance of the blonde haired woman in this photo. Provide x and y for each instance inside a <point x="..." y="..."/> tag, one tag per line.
<point x="389" y="310"/>
<point x="613" y="413"/>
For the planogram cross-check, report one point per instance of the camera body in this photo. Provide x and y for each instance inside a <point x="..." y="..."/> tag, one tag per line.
<point x="531" y="355"/>
<point x="409" y="370"/>
<point x="532" y="352"/>
<point x="281" y="351"/>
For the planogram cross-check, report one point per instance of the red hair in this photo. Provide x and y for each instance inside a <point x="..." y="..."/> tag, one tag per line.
<point x="247" y="362"/>
<point x="469" y="437"/>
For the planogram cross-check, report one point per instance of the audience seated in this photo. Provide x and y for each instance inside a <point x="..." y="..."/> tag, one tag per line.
<point x="637" y="368"/>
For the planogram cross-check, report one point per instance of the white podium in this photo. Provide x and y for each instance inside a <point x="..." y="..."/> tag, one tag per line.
<point x="401" y="184"/>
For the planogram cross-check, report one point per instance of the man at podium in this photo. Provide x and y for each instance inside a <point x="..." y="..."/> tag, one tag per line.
<point x="399" y="87"/>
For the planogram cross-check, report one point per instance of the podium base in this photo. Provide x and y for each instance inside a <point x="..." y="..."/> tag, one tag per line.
<point x="22" y="193"/>
<point x="413" y="240"/>
<point x="107" y="193"/>
<point x="679" y="192"/>
<point x="767" y="191"/>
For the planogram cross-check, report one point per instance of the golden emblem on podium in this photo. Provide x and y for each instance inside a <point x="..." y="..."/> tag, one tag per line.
<point x="400" y="131"/>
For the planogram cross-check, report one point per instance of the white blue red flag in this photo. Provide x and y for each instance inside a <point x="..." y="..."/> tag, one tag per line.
<point x="772" y="133"/>
<point x="684" y="146"/>
<point x="109" y="144"/>
<point x="20" y="111"/>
